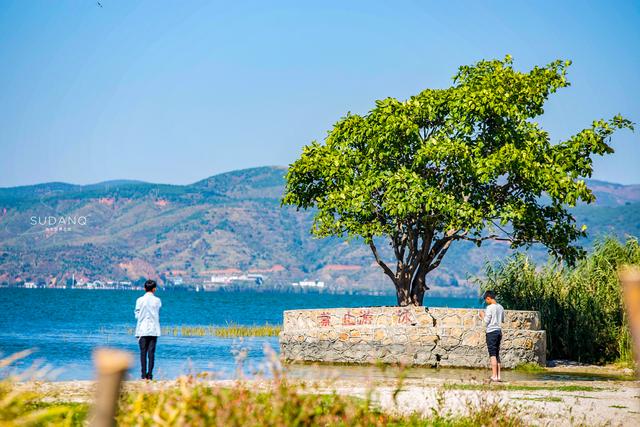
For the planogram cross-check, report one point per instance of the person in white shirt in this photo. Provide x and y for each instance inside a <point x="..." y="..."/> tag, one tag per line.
<point x="493" y="317"/>
<point x="148" y="328"/>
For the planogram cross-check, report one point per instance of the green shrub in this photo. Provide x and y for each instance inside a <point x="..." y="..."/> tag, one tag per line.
<point x="581" y="308"/>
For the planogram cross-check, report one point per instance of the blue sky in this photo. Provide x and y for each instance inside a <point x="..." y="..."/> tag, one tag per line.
<point x="168" y="91"/>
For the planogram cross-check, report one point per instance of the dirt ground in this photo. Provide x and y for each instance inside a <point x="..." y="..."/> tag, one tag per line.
<point x="607" y="403"/>
<point x="590" y="396"/>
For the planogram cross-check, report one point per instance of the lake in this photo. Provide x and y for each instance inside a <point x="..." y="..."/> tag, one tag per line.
<point x="63" y="326"/>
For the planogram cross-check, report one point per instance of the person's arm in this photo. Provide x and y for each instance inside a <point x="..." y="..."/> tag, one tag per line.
<point x="138" y="308"/>
<point x="488" y="314"/>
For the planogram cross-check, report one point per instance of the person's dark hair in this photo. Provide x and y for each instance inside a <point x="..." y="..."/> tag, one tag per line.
<point x="489" y="294"/>
<point x="150" y="285"/>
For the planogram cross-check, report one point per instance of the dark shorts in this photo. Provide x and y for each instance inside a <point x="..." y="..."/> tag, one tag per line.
<point x="493" y="343"/>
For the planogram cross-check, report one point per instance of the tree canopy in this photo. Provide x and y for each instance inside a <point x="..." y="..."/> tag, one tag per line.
<point x="466" y="162"/>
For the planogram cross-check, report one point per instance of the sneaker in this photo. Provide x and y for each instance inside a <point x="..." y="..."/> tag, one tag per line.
<point x="149" y="376"/>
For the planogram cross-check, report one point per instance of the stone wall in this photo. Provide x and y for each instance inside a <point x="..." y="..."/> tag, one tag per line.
<point x="409" y="335"/>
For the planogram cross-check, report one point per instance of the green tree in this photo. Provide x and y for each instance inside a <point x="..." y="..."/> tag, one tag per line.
<point x="462" y="163"/>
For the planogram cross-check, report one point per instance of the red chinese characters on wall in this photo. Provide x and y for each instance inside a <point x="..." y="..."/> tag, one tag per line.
<point x="324" y="319"/>
<point x="404" y="317"/>
<point x="363" y="318"/>
<point x="348" y="319"/>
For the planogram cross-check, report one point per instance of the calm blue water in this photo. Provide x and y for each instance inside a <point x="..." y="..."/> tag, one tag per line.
<point x="64" y="326"/>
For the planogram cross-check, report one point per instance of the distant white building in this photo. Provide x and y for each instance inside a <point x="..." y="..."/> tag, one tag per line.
<point x="176" y="280"/>
<point x="222" y="280"/>
<point x="230" y="279"/>
<point x="308" y="284"/>
<point x="97" y="284"/>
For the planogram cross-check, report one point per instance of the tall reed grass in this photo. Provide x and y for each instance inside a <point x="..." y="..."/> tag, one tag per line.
<point x="581" y="308"/>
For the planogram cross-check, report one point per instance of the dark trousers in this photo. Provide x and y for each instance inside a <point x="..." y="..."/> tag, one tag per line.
<point x="147" y="348"/>
<point x="493" y="344"/>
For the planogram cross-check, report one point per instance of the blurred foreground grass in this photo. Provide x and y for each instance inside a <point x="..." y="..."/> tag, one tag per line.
<point x="195" y="401"/>
<point x="191" y="402"/>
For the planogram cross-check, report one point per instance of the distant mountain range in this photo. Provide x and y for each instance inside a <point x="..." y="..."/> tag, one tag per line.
<point x="233" y="221"/>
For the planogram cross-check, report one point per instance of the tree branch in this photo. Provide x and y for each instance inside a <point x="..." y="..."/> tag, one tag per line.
<point x="381" y="263"/>
<point x="441" y="255"/>
<point x="419" y="256"/>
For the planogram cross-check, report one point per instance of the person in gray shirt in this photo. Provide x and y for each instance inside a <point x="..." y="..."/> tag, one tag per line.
<point x="493" y="317"/>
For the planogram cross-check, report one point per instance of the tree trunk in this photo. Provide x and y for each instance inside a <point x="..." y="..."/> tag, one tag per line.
<point x="411" y="270"/>
<point x="418" y="289"/>
<point x="403" y="294"/>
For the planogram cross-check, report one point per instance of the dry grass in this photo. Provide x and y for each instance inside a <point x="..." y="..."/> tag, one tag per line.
<point x="231" y="330"/>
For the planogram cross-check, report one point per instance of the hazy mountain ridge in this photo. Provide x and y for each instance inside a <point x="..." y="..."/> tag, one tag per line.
<point x="135" y="229"/>
<point x="234" y="184"/>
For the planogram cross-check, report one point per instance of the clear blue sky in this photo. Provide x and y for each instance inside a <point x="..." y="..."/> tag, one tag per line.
<point x="168" y="91"/>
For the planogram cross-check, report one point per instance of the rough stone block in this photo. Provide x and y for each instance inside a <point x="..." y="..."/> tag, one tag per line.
<point x="412" y="335"/>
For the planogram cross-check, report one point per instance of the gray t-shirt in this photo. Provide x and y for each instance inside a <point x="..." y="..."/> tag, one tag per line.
<point x="493" y="317"/>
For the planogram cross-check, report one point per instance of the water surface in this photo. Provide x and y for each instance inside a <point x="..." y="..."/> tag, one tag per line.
<point x="65" y="325"/>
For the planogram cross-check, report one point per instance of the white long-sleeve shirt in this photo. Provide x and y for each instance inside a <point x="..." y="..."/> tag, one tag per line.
<point x="148" y="314"/>
<point x="493" y="317"/>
